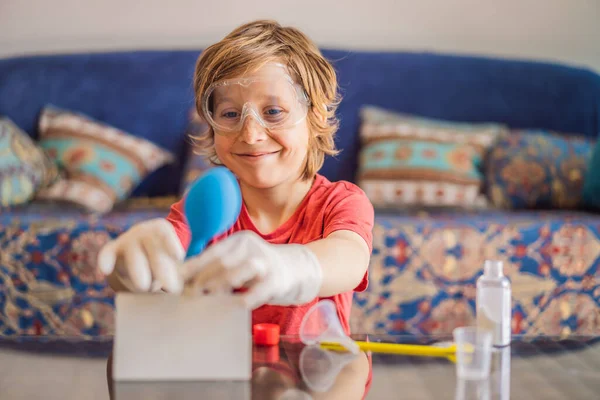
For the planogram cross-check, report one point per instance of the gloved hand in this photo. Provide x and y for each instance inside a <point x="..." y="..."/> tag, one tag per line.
<point x="276" y="274"/>
<point x="145" y="258"/>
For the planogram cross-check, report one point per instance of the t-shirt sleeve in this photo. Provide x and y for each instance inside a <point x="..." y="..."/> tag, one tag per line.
<point x="177" y="218"/>
<point x="351" y="210"/>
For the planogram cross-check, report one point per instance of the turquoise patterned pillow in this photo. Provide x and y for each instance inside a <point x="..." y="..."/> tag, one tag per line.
<point x="411" y="161"/>
<point x="394" y="158"/>
<point x="24" y="168"/>
<point x="538" y="169"/>
<point x="102" y="164"/>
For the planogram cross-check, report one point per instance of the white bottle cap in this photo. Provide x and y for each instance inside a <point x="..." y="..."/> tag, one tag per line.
<point x="493" y="268"/>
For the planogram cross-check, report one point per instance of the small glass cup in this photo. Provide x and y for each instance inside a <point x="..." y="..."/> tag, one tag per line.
<point x="473" y="352"/>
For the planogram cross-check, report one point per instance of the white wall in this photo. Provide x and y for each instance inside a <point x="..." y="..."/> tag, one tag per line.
<point x="563" y="30"/>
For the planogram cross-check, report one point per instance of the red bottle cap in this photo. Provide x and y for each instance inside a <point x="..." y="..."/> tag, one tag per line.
<point x="266" y="334"/>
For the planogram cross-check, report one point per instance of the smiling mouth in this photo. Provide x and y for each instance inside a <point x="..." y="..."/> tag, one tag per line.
<point x="256" y="155"/>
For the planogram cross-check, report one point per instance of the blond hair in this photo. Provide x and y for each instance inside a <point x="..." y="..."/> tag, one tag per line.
<point x="256" y="43"/>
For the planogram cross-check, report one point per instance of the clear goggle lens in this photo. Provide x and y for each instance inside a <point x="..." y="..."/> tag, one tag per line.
<point x="275" y="103"/>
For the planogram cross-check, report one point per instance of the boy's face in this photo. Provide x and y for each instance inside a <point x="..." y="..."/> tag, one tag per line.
<point x="265" y="135"/>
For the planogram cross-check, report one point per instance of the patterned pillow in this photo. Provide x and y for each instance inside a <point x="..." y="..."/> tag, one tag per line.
<point x="413" y="161"/>
<point x="102" y="164"/>
<point x="196" y="163"/>
<point x="24" y="167"/>
<point x="538" y="169"/>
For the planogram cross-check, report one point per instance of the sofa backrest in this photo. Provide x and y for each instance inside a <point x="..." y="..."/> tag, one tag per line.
<point x="520" y="94"/>
<point x="149" y="94"/>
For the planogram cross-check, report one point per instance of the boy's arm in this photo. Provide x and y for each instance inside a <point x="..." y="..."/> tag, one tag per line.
<point x="344" y="252"/>
<point x="344" y="257"/>
<point x="284" y="274"/>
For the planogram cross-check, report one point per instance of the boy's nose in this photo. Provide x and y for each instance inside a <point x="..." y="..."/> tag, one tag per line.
<point x="252" y="131"/>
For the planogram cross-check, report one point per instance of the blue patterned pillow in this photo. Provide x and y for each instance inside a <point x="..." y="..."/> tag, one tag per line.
<point x="24" y="167"/>
<point x="102" y="164"/>
<point x="538" y="169"/>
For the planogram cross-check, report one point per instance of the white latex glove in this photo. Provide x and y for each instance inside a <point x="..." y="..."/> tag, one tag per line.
<point x="283" y="274"/>
<point x="146" y="257"/>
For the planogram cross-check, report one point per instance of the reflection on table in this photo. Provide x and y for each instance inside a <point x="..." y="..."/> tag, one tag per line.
<point x="288" y="371"/>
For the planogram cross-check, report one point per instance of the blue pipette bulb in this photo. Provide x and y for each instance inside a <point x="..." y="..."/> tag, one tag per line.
<point x="212" y="205"/>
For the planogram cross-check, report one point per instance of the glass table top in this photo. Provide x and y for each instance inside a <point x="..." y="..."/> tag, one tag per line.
<point x="530" y="368"/>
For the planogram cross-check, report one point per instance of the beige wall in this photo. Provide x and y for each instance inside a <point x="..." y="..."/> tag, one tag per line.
<point x="563" y="30"/>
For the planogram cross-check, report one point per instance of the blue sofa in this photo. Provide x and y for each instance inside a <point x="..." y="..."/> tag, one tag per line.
<point x="424" y="263"/>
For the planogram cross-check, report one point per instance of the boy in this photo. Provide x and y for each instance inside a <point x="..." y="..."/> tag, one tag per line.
<point x="269" y="98"/>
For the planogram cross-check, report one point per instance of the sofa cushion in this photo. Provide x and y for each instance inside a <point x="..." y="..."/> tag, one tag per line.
<point x="413" y="161"/>
<point x="24" y="167"/>
<point x="102" y="164"/>
<point x="538" y="169"/>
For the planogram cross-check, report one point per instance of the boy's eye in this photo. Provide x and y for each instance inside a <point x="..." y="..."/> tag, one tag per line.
<point x="274" y="114"/>
<point x="230" y="114"/>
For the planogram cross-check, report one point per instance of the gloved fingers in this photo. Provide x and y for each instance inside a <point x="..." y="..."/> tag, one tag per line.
<point x="169" y="240"/>
<point x="107" y="257"/>
<point x="251" y="270"/>
<point x="162" y="266"/>
<point x="138" y="267"/>
<point x="216" y="278"/>
<point x="202" y="264"/>
<point x="226" y="254"/>
<point x="200" y="279"/>
<point x="217" y="286"/>
<point x="260" y="293"/>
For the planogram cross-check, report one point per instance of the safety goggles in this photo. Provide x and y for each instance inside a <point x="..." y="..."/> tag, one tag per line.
<point x="272" y="98"/>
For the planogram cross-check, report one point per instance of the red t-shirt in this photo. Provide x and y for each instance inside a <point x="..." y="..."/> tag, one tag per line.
<point x="327" y="207"/>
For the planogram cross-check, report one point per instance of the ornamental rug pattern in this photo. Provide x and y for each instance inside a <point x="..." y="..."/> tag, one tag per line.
<point x="49" y="284"/>
<point x="423" y="272"/>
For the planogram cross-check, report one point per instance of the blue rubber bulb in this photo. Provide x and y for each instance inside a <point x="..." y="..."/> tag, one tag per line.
<point x="212" y="205"/>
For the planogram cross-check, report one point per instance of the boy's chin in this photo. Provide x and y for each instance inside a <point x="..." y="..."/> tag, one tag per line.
<point x="265" y="181"/>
